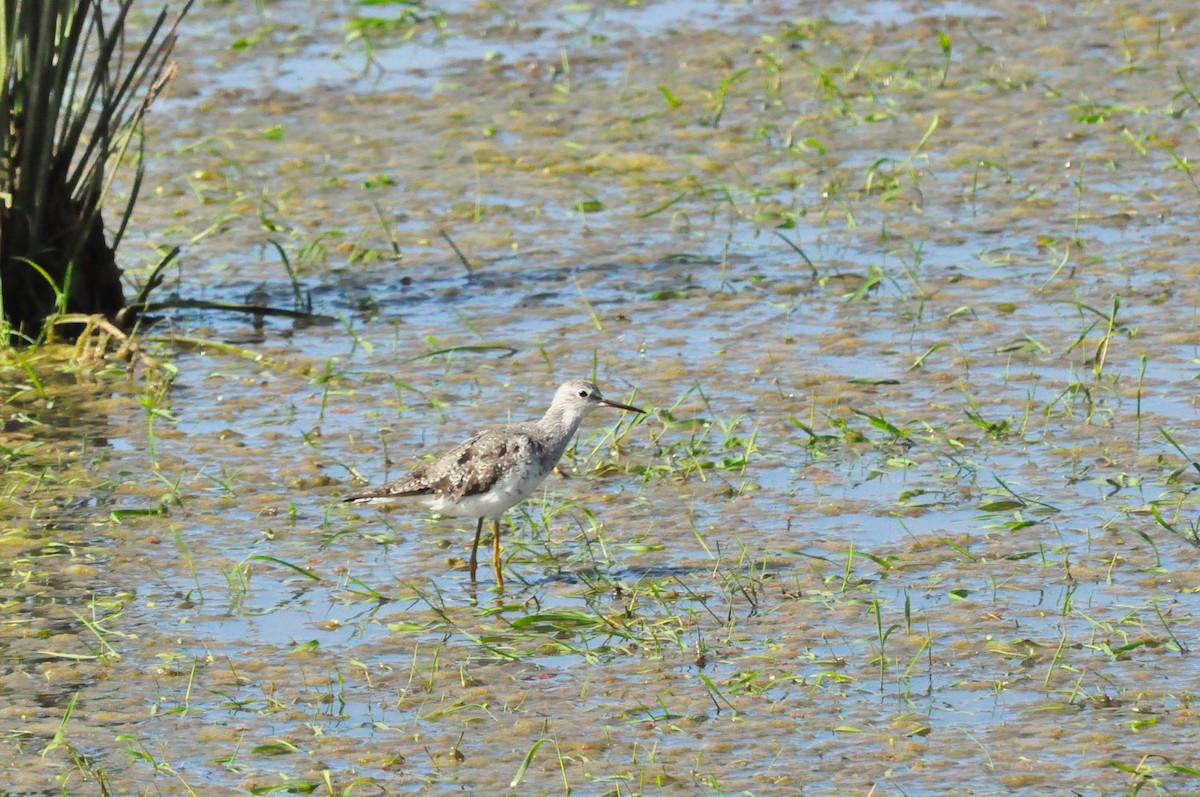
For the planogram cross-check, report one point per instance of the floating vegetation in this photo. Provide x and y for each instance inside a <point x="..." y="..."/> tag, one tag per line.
<point x="916" y="504"/>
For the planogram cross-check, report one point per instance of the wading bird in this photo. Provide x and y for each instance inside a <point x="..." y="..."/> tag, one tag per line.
<point x="496" y="469"/>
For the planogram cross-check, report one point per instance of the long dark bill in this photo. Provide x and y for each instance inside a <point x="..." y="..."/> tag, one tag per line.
<point x="617" y="406"/>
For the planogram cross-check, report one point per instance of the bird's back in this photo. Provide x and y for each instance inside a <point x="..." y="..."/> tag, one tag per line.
<point x="507" y="462"/>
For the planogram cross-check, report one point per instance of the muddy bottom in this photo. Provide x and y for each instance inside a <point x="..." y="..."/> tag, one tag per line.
<point x="908" y="290"/>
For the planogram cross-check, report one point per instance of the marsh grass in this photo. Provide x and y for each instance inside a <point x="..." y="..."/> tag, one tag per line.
<point x="792" y="576"/>
<point x="74" y="98"/>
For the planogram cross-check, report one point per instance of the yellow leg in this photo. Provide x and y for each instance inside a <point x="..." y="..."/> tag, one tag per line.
<point x="496" y="552"/>
<point x="475" y="549"/>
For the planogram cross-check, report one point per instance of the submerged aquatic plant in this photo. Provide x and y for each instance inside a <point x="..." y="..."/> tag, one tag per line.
<point x="72" y="100"/>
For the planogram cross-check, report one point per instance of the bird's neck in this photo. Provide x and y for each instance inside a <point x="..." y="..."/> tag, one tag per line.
<point x="559" y="426"/>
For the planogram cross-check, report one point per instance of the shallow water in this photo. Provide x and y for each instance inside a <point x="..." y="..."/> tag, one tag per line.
<point x="889" y="526"/>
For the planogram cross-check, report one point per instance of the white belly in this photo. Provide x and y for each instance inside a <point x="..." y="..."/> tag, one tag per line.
<point x="517" y="485"/>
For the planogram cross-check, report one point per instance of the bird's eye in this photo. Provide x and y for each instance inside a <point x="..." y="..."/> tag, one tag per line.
<point x="583" y="394"/>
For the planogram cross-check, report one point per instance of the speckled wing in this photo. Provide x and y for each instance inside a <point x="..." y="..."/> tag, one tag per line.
<point x="470" y="468"/>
